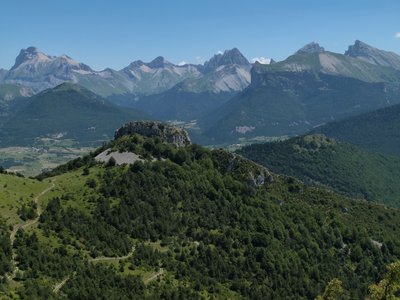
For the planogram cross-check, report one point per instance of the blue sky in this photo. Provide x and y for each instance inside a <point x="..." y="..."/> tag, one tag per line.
<point x="115" y="33"/>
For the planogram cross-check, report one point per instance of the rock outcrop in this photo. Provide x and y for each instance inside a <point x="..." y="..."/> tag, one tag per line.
<point x="373" y="55"/>
<point x="167" y="133"/>
<point x="311" y="48"/>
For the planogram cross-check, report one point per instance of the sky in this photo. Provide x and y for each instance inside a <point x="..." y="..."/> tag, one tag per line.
<point x="114" y="33"/>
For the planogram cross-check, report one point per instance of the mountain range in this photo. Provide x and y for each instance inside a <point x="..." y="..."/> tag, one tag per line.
<point x="227" y="99"/>
<point x="309" y="88"/>
<point x="39" y="71"/>
<point x="151" y="215"/>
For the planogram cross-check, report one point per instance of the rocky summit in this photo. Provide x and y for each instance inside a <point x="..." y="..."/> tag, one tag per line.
<point x="311" y="48"/>
<point x="168" y="133"/>
<point x="373" y="55"/>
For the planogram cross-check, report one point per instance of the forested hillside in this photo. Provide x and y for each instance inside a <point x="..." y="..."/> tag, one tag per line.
<point x="377" y="131"/>
<point x="194" y="223"/>
<point x="317" y="159"/>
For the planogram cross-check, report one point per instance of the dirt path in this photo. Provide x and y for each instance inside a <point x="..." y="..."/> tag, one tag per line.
<point x="25" y="225"/>
<point x="155" y="276"/>
<point x="112" y="258"/>
<point x="34" y="221"/>
<point x="58" y="286"/>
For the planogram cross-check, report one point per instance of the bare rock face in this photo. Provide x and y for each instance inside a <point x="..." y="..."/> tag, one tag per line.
<point x="167" y="133"/>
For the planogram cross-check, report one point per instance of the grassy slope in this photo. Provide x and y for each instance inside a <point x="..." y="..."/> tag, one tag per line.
<point x="14" y="191"/>
<point x="341" y="166"/>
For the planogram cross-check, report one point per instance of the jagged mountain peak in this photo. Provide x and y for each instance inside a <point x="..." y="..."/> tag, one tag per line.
<point x="136" y="63"/>
<point x="229" y="57"/>
<point x="373" y="55"/>
<point x="359" y="48"/>
<point x="29" y="54"/>
<point x="312" y="47"/>
<point x="31" y="49"/>
<point x="158" y="62"/>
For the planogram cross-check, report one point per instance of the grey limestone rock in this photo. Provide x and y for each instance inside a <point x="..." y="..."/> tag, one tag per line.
<point x="167" y="133"/>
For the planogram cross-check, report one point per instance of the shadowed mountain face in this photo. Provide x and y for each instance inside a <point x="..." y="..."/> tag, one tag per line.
<point x="373" y="55"/>
<point x="290" y="103"/>
<point x="65" y="112"/>
<point x="220" y="79"/>
<point x="309" y="88"/>
<point x="343" y="167"/>
<point x="11" y="97"/>
<point x="376" y="131"/>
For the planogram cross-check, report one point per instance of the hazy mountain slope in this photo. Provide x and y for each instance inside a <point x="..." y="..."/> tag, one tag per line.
<point x="321" y="61"/>
<point x="3" y="73"/>
<point x="9" y="92"/>
<point x="221" y="77"/>
<point x="290" y="103"/>
<point x="311" y="87"/>
<point x="210" y="222"/>
<point x="377" y="131"/>
<point x="179" y="104"/>
<point x="158" y="75"/>
<point x="341" y="166"/>
<point x="11" y="96"/>
<point x="67" y="112"/>
<point x="38" y="71"/>
<point x="224" y="72"/>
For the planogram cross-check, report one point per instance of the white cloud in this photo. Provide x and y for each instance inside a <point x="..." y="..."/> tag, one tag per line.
<point x="199" y="60"/>
<point x="397" y="35"/>
<point x="261" y="60"/>
<point x="182" y="63"/>
<point x="220" y="52"/>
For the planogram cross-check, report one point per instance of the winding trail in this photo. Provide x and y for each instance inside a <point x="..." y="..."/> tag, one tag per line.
<point x="113" y="258"/>
<point x="25" y="225"/>
<point x="59" y="285"/>
<point x="155" y="276"/>
<point x="29" y="223"/>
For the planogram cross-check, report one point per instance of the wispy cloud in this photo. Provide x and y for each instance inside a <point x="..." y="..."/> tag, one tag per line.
<point x="261" y="60"/>
<point x="220" y="52"/>
<point x="397" y="35"/>
<point x="199" y="60"/>
<point x="182" y="63"/>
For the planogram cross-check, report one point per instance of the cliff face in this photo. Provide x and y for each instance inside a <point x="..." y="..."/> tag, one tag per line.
<point x="167" y="133"/>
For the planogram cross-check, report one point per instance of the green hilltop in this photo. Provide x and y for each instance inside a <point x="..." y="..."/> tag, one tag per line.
<point x="66" y="112"/>
<point x="189" y="222"/>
